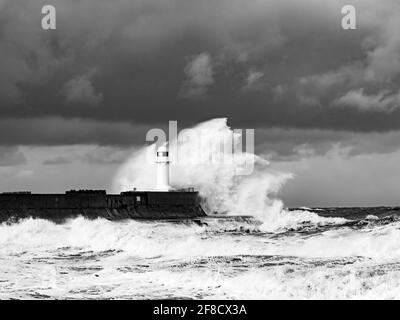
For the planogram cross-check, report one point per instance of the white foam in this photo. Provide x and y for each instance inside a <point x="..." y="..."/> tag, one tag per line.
<point x="172" y="240"/>
<point x="38" y="255"/>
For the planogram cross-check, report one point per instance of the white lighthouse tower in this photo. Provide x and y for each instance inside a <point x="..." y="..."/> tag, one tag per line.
<point x="163" y="168"/>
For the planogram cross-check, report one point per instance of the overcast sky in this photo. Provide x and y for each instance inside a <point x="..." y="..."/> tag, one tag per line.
<point x="324" y="102"/>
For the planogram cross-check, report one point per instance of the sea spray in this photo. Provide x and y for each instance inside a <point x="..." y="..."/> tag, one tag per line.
<point x="219" y="185"/>
<point x="223" y="191"/>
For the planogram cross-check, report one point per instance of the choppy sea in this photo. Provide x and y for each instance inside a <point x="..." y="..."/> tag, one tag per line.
<point x="311" y="254"/>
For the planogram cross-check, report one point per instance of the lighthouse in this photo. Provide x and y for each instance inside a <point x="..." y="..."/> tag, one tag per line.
<point x="162" y="161"/>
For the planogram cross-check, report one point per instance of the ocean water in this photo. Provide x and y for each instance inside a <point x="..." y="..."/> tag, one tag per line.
<point x="354" y="255"/>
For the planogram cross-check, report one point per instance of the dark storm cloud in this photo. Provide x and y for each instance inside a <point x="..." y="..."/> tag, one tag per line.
<point x="279" y="144"/>
<point x="89" y="154"/>
<point x="107" y="155"/>
<point x="260" y="63"/>
<point x="59" y="131"/>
